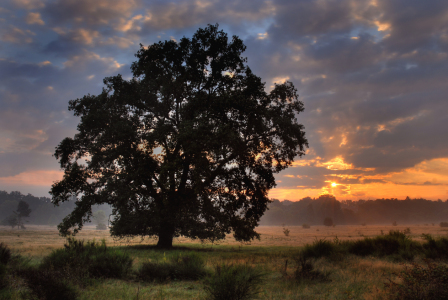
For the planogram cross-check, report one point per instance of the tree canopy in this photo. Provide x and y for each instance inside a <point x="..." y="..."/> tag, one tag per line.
<point x="189" y="146"/>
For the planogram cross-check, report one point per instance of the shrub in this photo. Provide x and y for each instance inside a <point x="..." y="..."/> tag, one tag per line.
<point x="319" y="248"/>
<point x="328" y="221"/>
<point x="236" y="282"/>
<point x="5" y="254"/>
<point x="305" y="270"/>
<point x="2" y="276"/>
<point x="286" y="231"/>
<point x="89" y="259"/>
<point x="418" y="282"/>
<point x="435" y="248"/>
<point x="395" y="244"/>
<point x="48" y="284"/>
<point x="180" y="267"/>
<point x="443" y="224"/>
<point x="306" y="226"/>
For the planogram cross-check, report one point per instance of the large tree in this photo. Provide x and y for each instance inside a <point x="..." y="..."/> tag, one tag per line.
<point x="189" y="146"/>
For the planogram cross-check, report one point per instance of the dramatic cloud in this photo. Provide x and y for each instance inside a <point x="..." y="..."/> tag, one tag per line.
<point x="372" y="75"/>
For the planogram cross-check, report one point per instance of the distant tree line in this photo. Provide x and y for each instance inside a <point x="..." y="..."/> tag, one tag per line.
<point x="41" y="210"/>
<point x="305" y="211"/>
<point x="314" y="211"/>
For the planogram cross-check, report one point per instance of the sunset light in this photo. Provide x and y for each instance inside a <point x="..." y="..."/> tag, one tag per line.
<point x="374" y="92"/>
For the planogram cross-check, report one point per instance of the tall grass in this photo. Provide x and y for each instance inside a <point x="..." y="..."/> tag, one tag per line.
<point x="5" y="254"/>
<point x="420" y="282"/>
<point x="235" y="282"/>
<point x="187" y="266"/>
<point x="435" y="248"/>
<point x="89" y="259"/>
<point x="395" y="245"/>
<point x="49" y="284"/>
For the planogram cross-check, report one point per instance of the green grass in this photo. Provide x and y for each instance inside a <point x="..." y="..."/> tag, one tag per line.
<point x="332" y="269"/>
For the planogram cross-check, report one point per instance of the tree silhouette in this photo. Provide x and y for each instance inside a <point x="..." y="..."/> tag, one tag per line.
<point x="189" y="146"/>
<point x="23" y="211"/>
<point x="328" y="221"/>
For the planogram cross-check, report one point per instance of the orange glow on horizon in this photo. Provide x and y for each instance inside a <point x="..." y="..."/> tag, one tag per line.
<point x="35" y="178"/>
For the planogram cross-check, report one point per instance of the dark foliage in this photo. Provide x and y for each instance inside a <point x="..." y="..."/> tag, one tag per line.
<point x="236" y="282"/>
<point x="435" y="248"/>
<point x="305" y="271"/>
<point x="381" y="211"/>
<point x="11" y="220"/>
<point x="395" y="244"/>
<point x="420" y="283"/>
<point x="5" y="254"/>
<point x="180" y="267"/>
<point x="48" y="284"/>
<point x="3" y="282"/>
<point x="319" y="248"/>
<point x="89" y="259"/>
<point x="222" y="139"/>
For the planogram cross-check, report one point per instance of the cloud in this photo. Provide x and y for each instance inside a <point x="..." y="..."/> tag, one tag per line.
<point x="90" y="13"/>
<point x="16" y="35"/>
<point x="34" y="18"/>
<point x="28" y="4"/>
<point x="79" y="35"/>
<point x="372" y="76"/>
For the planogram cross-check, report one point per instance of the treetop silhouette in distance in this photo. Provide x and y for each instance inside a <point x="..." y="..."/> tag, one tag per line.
<point x="189" y="146"/>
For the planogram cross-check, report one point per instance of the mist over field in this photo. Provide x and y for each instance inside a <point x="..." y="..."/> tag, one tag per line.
<point x="293" y="213"/>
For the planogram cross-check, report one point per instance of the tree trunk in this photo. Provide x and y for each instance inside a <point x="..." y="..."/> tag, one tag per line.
<point x="166" y="237"/>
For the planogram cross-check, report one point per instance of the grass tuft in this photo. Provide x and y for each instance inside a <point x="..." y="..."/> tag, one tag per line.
<point x="419" y="282"/>
<point x="49" y="284"/>
<point x="236" y="282"/>
<point x="89" y="259"/>
<point x="5" y="254"/>
<point x="190" y="266"/>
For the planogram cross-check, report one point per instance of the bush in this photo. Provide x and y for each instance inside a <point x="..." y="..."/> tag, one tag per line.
<point x="305" y="270"/>
<point x="235" y="282"/>
<point x="328" y="221"/>
<point x="180" y="267"/>
<point x="395" y="244"/>
<point x="435" y="248"/>
<point x="418" y="282"/>
<point x="306" y="226"/>
<point x="48" y="284"/>
<point x="3" y="282"/>
<point x="5" y="254"/>
<point x="319" y="248"/>
<point x="89" y="259"/>
<point x="443" y="224"/>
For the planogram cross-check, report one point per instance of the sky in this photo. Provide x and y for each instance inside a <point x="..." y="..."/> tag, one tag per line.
<point x="372" y="75"/>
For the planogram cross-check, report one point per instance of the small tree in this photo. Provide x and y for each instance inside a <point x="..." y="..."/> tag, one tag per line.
<point x="11" y="220"/>
<point x="328" y="221"/>
<point x="100" y="220"/>
<point x="23" y="211"/>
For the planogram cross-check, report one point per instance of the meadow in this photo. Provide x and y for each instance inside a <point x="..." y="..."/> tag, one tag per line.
<point x="274" y="256"/>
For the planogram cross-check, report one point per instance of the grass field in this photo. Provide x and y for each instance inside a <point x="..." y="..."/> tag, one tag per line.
<point x="350" y="277"/>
